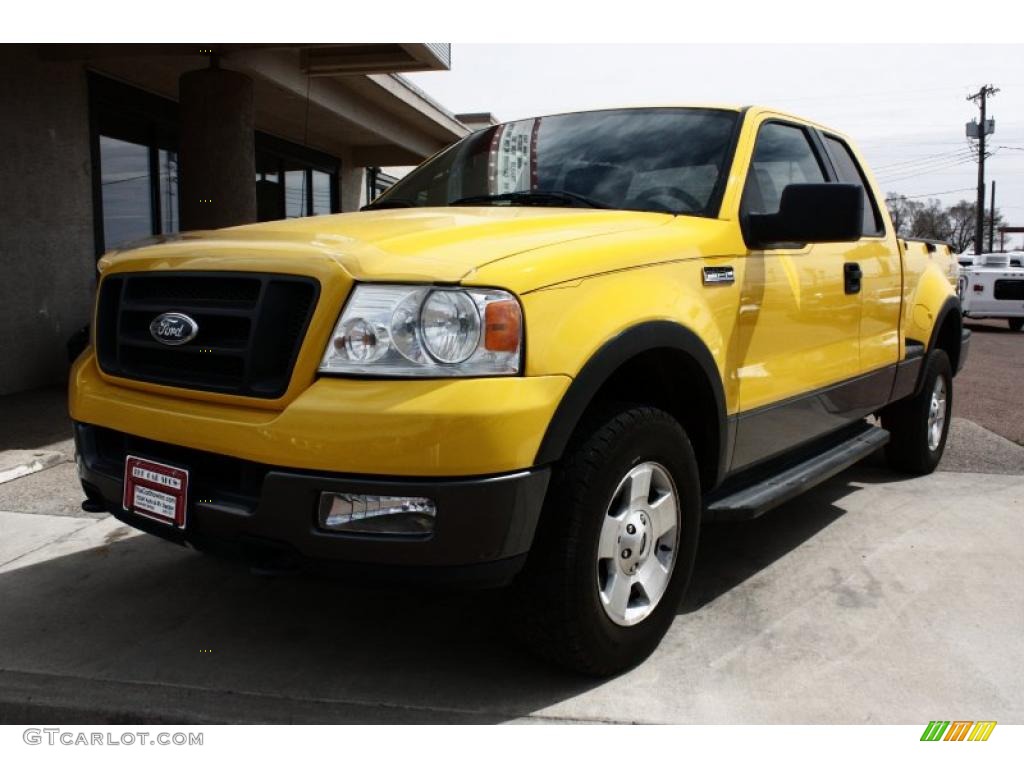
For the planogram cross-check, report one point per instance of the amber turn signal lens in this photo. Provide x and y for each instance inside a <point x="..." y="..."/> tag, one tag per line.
<point x="502" y="326"/>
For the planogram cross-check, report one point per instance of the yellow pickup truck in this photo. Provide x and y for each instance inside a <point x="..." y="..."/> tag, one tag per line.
<point x="540" y="360"/>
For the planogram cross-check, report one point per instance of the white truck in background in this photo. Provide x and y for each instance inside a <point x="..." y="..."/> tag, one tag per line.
<point x="991" y="285"/>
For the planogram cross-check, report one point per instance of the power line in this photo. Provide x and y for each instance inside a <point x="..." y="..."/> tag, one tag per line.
<point x="922" y="159"/>
<point x="926" y="172"/>
<point x="935" y="165"/>
<point x="936" y="194"/>
<point x="929" y="166"/>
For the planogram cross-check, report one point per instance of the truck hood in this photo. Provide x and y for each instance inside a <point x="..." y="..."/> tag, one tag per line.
<point x="413" y="244"/>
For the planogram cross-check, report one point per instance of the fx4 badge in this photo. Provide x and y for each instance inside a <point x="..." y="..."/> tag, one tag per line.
<point x="715" y="275"/>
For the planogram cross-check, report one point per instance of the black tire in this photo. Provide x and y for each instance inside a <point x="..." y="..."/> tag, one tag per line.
<point x="559" y="613"/>
<point x="1015" y="323"/>
<point x="908" y="421"/>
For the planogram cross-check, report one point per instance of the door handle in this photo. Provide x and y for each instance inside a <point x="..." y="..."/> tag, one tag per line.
<point x="852" y="275"/>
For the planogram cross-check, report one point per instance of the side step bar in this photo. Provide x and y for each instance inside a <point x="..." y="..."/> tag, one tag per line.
<point x="754" y="500"/>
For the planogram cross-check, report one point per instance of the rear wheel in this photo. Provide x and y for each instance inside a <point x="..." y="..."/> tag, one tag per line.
<point x="919" y="425"/>
<point x="1015" y="323"/>
<point x="616" y="543"/>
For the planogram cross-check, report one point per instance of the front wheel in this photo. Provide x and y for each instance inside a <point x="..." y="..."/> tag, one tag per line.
<point x="918" y="426"/>
<point x="616" y="543"/>
<point x="1015" y="323"/>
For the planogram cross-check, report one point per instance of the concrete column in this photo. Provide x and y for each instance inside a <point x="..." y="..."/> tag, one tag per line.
<point x="352" y="182"/>
<point x="47" y="257"/>
<point x="216" y="160"/>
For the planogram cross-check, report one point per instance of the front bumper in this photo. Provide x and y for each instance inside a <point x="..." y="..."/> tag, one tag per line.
<point x="267" y="514"/>
<point x="391" y="428"/>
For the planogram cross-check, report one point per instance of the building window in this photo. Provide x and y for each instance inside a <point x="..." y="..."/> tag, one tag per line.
<point x="321" y="185"/>
<point x="168" y="164"/>
<point x="135" y="169"/>
<point x="377" y="183"/>
<point x="135" y="163"/>
<point x="294" y="181"/>
<point x="295" y="194"/>
<point x="139" y="195"/>
<point x="308" y="192"/>
<point x="125" y="181"/>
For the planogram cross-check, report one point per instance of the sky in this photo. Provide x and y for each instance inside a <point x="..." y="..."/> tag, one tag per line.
<point x="905" y="106"/>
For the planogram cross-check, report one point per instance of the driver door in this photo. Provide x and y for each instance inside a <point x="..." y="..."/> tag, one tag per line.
<point x="798" y="329"/>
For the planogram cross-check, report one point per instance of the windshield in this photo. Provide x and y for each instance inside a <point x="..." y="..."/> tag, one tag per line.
<point x="663" y="160"/>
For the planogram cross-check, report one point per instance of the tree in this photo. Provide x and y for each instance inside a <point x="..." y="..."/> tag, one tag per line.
<point x="902" y="211"/>
<point x="931" y="222"/>
<point x="963" y="223"/>
<point x="961" y="217"/>
<point x="992" y="225"/>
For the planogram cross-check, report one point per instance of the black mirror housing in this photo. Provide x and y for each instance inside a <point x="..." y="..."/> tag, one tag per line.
<point x="811" y="213"/>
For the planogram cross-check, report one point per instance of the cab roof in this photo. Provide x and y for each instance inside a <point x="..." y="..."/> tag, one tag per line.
<point x="750" y="109"/>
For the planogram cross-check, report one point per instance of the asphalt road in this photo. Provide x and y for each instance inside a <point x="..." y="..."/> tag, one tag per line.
<point x="990" y="389"/>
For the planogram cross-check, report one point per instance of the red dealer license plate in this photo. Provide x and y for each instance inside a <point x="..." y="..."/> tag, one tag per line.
<point x="154" y="490"/>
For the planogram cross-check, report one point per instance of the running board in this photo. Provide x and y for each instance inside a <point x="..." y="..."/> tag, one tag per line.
<point x="754" y="500"/>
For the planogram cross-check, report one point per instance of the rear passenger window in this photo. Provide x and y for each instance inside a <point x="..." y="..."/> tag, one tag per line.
<point x="783" y="155"/>
<point x="850" y="173"/>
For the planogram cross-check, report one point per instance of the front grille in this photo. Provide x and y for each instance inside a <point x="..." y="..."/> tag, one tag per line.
<point x="1009" y="290"/>
<point x="251" y="327"/>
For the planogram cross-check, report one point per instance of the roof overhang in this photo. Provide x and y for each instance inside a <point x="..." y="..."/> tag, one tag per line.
<point x="329" y="97"/>
<point x="379" y="58"/>
<point x="318" y="59"/>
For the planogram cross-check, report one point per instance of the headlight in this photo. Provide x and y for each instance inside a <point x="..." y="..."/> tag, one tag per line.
<point x="419" y="330"/>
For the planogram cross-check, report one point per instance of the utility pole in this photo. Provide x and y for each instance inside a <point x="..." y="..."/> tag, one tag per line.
<point x="991" y="219"/>
<point x="981" y="98"/>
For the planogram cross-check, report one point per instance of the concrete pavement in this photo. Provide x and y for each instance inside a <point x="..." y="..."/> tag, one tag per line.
<point x="874" y="598"/>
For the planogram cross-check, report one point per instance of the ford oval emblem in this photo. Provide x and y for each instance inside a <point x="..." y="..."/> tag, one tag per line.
<point x="173" y="328"/>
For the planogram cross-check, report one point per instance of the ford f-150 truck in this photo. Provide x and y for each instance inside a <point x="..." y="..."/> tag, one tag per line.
<point x="541" y="359"/>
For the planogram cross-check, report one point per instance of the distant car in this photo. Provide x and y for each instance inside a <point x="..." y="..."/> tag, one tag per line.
<point x="991" y="285"/>
<point x="968" y="259"/>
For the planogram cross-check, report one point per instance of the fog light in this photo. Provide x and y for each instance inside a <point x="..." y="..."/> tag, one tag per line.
<point x="379" y="515"/>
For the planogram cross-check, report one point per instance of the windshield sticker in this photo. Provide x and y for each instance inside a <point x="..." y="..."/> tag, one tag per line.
<point x="513" y="160"/>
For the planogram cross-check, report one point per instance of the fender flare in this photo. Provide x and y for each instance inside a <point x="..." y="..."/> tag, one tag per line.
<point x="950" y="305"/>
<point x="656" y="334"/>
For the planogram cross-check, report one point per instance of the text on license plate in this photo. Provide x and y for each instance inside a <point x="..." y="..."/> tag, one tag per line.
<point x="155" y="490"/>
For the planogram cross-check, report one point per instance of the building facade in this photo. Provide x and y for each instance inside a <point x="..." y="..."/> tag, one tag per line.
<point x="109" y="144"/>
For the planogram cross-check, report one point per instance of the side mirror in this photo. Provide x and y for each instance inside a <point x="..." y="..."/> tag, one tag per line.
<point x="811" y="213"/>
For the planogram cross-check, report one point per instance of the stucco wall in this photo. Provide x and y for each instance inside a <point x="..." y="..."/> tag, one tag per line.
<point x="47" y="262"/>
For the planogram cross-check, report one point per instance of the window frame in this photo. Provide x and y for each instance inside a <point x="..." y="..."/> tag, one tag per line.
<point x="881" y="231"/>
<point x="817" y="150"/>
<point x="716" y="199"/>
